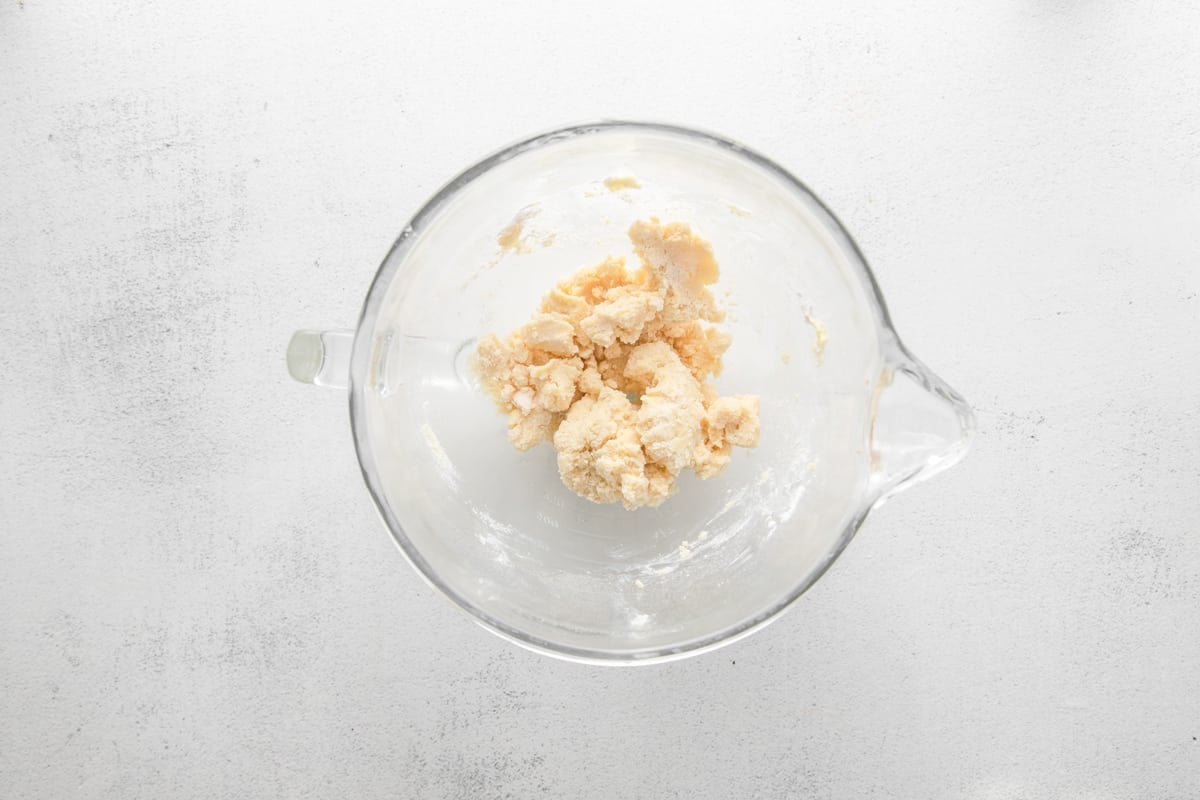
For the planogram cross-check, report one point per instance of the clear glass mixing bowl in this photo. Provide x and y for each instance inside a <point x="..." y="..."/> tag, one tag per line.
<point x="849" y="416"/>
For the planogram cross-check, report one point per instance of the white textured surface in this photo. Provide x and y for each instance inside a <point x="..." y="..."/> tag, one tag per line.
<point x="196" y="598"/>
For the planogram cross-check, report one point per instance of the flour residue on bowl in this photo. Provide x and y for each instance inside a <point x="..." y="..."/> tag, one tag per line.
<point x="515" y="238"/>
<point x="437" y="454"/>
<point x="822" y="337"/>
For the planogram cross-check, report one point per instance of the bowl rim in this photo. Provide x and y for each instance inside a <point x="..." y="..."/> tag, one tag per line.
<point x="891" y="347"/>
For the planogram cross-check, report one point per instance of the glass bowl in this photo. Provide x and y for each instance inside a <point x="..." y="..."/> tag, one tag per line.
<point x="849" y="416"/>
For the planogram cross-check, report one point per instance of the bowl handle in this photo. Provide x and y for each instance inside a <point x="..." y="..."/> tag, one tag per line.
<point x="321" y="357"/>
<point x="919" y="426"/>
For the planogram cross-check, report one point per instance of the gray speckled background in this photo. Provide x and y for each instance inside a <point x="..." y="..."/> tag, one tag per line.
<point x="197" y="600"/>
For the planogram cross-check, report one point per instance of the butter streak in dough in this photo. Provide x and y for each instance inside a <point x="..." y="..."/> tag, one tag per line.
<point x="606" y="335"/>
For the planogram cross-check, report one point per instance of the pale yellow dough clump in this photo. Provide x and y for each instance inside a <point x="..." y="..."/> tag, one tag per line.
<point x="613" y="370"/>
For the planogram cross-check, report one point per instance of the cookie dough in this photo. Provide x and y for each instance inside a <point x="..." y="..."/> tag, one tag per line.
<point x="613" y="368"/>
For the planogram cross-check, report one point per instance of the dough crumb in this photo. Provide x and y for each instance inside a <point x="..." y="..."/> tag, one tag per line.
<point x="617" y="183"/>
<point x="613" y="369"/>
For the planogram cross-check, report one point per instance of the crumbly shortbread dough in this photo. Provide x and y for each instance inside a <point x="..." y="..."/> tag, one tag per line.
<point x="613" y="370"/>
